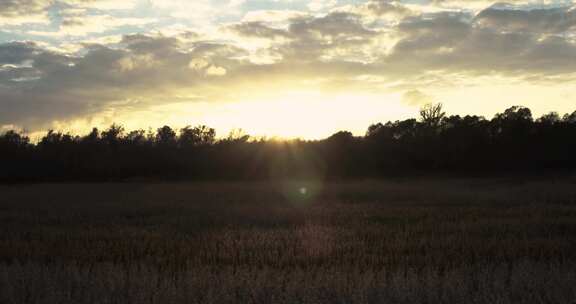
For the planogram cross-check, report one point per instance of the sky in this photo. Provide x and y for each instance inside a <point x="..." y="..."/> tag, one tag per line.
<point x="278" y="68"/>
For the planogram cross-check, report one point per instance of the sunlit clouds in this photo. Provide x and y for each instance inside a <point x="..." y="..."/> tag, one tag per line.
<point x="278" y="68"/>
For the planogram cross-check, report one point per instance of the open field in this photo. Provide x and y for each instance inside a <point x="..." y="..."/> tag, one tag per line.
<point x="419" y="241"/>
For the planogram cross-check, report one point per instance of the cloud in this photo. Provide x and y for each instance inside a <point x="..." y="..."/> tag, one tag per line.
<point x="383" y="9"/>
<point x="538" y="20"/>
<point x="215" y="71"/>
<point x="10" y="8"/>
<point x="201" y="12"/>
<point x="309" y="38"/>
<point x="78" y="22"/>
<point x="452" y="43"/>
<point x="416" y="98"/>
<point x="17" y="12"/>
<point x="259" y="30"/>
<point x="24" y="10"/>
<point x="317" y="5"/>
<point x="481" y="4"/>
<point x="102" y="4"/>
<point x="272" y="16"/>
<point x="40" y="86"/>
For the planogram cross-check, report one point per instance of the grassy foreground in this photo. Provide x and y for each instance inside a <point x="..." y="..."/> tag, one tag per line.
<point x="419" y="241"/>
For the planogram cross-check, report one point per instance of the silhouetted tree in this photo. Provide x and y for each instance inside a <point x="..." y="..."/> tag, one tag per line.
<point x="136" y="137"/>
<point x="237" y="136"/>
<point x="197" y="136"/>
<point x="93" y="136"/>
<point x="431" y="115"/>
<point x="13" y="140"/>
<point x="515" y="122"/>
<point x="570" y="118"/>
<point x="16" y="160"/>
<point x="551" y="118"/>
<point x="165" y="136"/>
<point x="112" y="135"/>
<point x="510" y="142"/>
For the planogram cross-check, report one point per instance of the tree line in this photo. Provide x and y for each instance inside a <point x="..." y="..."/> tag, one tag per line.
<point x="510" y="142"/>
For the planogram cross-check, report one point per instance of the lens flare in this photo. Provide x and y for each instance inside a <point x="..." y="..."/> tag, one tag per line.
<point x="301" y="192"/>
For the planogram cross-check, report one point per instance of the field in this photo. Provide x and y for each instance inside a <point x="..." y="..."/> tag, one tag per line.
<point x="396" y="241"/>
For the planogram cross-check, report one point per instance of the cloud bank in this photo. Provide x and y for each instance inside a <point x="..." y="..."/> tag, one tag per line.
<point x="64" y="60"/>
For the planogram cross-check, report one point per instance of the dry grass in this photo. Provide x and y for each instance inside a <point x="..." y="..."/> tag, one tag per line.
<point x="449" y="241"/>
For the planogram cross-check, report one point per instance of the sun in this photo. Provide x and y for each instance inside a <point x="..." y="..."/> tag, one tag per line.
<point x="309" y="114"/>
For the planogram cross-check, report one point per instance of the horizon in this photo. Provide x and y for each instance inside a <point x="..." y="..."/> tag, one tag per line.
<point x="35" y="137"/>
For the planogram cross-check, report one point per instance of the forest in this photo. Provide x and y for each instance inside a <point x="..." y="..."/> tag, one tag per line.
<point x="512" y="142"/>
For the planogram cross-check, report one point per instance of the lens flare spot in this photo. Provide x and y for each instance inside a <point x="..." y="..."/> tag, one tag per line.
<point x="303" y="190"/>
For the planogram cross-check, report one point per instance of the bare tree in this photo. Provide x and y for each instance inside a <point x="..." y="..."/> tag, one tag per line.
<point x="432" y="114"/>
